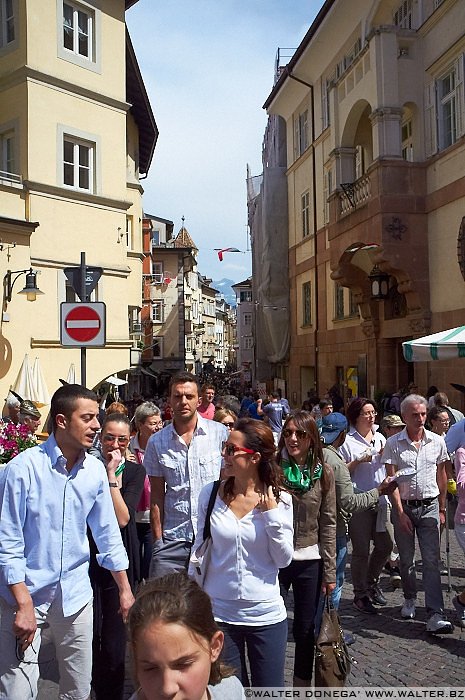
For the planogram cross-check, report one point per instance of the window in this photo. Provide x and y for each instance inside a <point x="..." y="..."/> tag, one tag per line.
<point x="130" y="232"/>
<point x="7" y="22"/>
<point x="156" y="236"/>
<point x="157" y="347"/>
<point x="247" y="343"/>
<point x="157" y="272"/>
<point x="305" y="205"/>
<point x="7" y="152"/>
<point x="77" y="30"/>
<point x="78" y="164"/>
<point x="328" y="188"/>
<point x="353" y="306"/>
<point x="247" y="319"/>
<point x="301" y="133"/>
<point x="246" y="295"/>
<point x="338" y="301"/>
<point x="325" y="111"/>
<point x="306" y="304"/>
<point x="403" y="15"/>
<point x="407" y="141"/>
<point x="359" y="161"/>
<point x="450" y="103"/>
<point x="157" y="311"/>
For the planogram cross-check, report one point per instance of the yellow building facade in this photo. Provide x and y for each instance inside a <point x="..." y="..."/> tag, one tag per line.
<point x="76" y="131"/>
<point x="373" y="108"/>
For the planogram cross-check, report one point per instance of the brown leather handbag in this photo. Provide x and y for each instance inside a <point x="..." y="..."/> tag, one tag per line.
<point x="332" y="658"/>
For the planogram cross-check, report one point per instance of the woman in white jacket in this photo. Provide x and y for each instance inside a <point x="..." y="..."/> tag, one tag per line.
<point x="252" y="538"/>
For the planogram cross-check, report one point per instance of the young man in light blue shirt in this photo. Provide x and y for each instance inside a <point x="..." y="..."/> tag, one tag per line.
<point x="49" y="495"/>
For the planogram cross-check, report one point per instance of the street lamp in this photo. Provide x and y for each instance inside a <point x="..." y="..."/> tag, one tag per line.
<point x="31" y="289"/>
<point x="379" y="282"/>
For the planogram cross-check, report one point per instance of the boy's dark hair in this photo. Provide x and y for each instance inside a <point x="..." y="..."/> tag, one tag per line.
<point x="64" y="401"/>
<point x="182" y="378"/>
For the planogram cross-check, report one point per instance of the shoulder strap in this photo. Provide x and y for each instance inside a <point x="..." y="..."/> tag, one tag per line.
<point x="211" y="503"/>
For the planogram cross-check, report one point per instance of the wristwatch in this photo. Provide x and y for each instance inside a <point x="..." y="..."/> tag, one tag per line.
<point x="113" y="484"/>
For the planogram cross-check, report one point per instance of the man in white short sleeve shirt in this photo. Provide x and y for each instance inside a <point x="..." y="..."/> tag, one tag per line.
<point x="419" y="506"/>
<point x="180" y="460"/>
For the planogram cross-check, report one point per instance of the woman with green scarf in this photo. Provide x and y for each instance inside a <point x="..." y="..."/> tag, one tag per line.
<point x="313" y="567"/>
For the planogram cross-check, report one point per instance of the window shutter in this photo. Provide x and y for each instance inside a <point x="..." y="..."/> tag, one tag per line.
<point x="296" y="138"/>
<point x="460" y="97"/>
<point x="430" y="120"/>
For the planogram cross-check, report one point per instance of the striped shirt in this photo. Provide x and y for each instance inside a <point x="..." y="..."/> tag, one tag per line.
<point x="186" y="470"/>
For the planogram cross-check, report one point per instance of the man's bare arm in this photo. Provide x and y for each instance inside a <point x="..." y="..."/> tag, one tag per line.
<point x="157" y="503"/>
<point x="25" y="624"/>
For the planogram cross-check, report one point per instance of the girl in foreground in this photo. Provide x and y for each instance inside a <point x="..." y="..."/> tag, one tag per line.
<point x="176" y="644"/>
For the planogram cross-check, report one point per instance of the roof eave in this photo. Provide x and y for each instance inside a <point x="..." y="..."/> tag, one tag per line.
<point x="136" y="95"/>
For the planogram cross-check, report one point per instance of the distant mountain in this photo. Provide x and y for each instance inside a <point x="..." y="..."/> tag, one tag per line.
<point x="224" y="287"/>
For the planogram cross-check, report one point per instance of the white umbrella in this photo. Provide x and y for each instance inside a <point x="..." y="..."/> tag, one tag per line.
<point x="116" y="381"/>
<point x="41" y="395"/>
<point x="24" y="384"/>
<point x="445" y="345"/>
<point x="71" y="378"/>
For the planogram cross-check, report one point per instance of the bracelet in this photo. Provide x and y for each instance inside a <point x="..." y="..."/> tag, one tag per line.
<point x="113" y="484"/>
<point x="442" y="510"/>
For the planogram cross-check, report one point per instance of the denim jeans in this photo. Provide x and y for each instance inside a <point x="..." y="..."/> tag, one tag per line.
<point x="266" y="652"/>
<point x="341" y="558"/>
<point x="425" y="520"/>
<point x="305" y="579"/>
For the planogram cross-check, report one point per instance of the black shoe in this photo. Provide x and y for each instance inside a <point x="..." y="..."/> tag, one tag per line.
<point x="376" y="596"/>
<point x="395" y="577"/>
<point x="364" y="605"/>
<point x="349" y="638"/>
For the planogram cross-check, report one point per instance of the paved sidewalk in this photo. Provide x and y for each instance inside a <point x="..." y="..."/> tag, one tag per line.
<point x="388" y="651"/>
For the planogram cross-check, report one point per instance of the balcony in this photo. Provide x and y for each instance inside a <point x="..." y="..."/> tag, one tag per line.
<point x="12" y="179"/>
<point x="353" y="195"/>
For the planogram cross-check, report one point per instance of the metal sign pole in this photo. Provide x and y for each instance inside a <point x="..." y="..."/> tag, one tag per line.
<point x="83" y="297"/>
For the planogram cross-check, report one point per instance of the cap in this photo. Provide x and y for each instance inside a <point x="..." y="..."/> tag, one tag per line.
<point x="332" y="426"/>
<point x="28" y="408"/>
<point x="392" y="421"/>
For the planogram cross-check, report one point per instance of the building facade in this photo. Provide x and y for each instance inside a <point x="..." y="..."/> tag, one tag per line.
<point x="76" y="133"/>
<point x="373" y="106"/>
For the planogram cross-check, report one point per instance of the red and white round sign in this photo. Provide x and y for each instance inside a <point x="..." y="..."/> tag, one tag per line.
<point x="83" y="324"/>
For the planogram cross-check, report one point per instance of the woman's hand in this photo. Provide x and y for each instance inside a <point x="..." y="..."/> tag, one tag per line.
<point x="328" y="588"/>
<point x="267" y="501"/>
<point x="114" y="460"/>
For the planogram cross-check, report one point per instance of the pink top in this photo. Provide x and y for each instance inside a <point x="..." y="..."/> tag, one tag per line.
<point x="459" y="463"/>
<point x="208" y="412"/>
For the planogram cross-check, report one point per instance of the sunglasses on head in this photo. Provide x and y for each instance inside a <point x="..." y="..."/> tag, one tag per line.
<point x="300" y="434"/>
<point x="230" y="449"/>
<point x="111" y="438"/>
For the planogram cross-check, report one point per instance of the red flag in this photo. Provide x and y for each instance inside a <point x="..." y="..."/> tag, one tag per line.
<point x="226" y="250"/>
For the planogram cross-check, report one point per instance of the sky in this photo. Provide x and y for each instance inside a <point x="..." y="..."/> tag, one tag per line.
<point x="208" y="67"/>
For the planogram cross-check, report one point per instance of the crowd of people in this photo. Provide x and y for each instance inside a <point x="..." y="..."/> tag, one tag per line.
<point x="102" y="525"/>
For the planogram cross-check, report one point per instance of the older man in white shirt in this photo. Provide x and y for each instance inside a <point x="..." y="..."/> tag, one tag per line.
<point x="419" y="506"/>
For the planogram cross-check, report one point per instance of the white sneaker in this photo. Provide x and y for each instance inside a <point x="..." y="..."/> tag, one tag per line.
<point x="408" y="609"/>
<point x="437" y="624"/>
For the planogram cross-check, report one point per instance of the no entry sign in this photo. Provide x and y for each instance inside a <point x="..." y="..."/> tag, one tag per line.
<point x="83" y="324"/>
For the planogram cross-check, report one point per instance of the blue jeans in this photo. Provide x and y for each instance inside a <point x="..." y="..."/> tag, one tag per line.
<point x="305" y="579"/>
<point x="425" y="520"/>
<point x="341" y="558"/>
<point x="266" y="651"/>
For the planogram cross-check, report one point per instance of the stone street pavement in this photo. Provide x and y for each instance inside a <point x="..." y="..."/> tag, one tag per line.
<point x="388" y="651"/>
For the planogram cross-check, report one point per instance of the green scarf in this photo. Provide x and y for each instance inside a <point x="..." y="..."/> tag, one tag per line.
<point x="300" y="479"/>
<point x="121" y="467"/>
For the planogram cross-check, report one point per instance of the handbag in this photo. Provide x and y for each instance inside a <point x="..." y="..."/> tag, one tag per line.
<point x="332" y="658"/>
<point x="200" y="559"/>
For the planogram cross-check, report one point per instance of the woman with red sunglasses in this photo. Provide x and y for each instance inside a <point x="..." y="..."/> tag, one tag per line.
<point x="313" y="567"/>
<point x="252" y="538"/>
